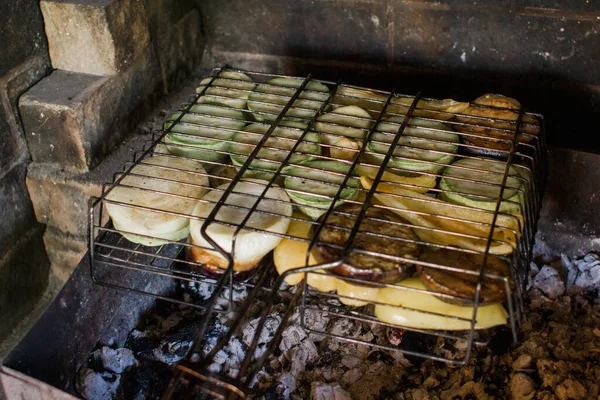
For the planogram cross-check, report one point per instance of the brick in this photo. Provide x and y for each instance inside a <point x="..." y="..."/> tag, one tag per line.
<point x="60" y="200"/>
<point x="22" y="35"/>
<point x="74" y="120"/>
<point x="99" y="37"/>
<point x="13" y="147"/>
<point x="24" y="271"/>
<point x="56" y="114"/>
<point x="16" y="210"/>
<point x="64" y="252"/>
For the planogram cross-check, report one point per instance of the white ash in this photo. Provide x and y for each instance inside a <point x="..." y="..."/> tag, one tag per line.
<point x="567" y="275"/>
<point x="549" y="282"/>
<point x="96" y="385"/>
<point x="113" y="360"/>
<point x="326" y="391"/>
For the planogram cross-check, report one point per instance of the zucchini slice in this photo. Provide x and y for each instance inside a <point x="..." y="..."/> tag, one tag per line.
<point x="204" y="132"/>
<point x="345" y="122"/>
<point x="422" y="143"/>
<point x="319" y="181"/>
<point x="476" y="183"/>
<point x="276" y="148"/>
<point x="267" y="101"/>
<point x="230" y="88"/>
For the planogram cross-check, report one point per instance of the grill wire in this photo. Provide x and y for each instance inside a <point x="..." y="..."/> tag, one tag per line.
<point x="166" y="262"/>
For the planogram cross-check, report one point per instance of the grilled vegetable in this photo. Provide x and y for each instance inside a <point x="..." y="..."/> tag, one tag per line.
<point x="345" y="122"/>
<point x="373" y="102"/>
<point x="464" y="285"/>
<point x="426" y="311"/>
<point x="381" y="232"/>
<point x="291" y="253"/>
<point x="155" y="198"/>
<point x="314" y="184"/>
<point x="268" y="100"/>
<point x="422" y="144"/>
<point x="391" y="182"/>
<point x="250" y="245"/>
<point x="447" y="224"/>
<point x="276" y="148"/>
<point x="476" y="183"/>
<point x="204" y="132"/>
<point x="230" y="88"/>
<point x="490" y="120"/>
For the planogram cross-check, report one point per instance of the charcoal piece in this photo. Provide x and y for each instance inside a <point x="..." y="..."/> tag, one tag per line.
<point x="112" y="360"/>
<point x="167" y="347"/>
<point x="149" y="380"/>
<point x="92" y="385"/>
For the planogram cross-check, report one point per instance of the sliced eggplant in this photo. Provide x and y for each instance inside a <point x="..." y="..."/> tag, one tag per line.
<point x="476" y="183"/>
<point x="276" y="148"/>
<point x="490" y="120"/>
<point x="230" y="88"/>
<point x="464" y="285"/>
<point x="204" y="132"/>
<point x="314" y="184"/>
<point x="268" y="100"/>
<point x="422" y="144"/>
<point x="381" y="232"/>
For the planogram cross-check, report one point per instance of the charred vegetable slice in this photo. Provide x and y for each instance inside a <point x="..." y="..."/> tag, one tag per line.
<point x="464" y="285"/>
<point x="381" y="232"/>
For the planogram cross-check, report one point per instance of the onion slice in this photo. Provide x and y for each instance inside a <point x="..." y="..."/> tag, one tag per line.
<point x="271" y="218"/>
<point x="165" y="185"/>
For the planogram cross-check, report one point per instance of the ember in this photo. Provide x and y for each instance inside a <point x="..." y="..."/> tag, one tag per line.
<point x="558" y="356"/>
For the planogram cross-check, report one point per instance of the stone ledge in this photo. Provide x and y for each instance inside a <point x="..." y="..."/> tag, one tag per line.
<point x="73" y="120"/>
<point x="13" y="147"/>
<point x="60" y="198"/>
<point x="64" y="252"/>
<point x="101" y="37"/>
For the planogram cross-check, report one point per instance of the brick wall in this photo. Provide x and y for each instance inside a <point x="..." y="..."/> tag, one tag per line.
<point x="23" y="262"/>
<point x="76" y="77"/>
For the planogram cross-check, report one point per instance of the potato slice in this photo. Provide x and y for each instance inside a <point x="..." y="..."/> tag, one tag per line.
<point x="390" y="182"/>
<point x="426" y="311"/>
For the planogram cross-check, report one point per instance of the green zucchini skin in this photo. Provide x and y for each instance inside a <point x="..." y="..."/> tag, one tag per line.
<point x="230" y="88"/>
<point x="457" y="188"/>
<point x="431" y="147"/>
<point x="204" y="133"/>
<point x="267" y="101"/>
<point x="321" y="180"/>
<point x="276" y="148"/>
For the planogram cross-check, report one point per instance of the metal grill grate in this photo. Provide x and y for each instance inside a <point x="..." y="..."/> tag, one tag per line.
<point x="400" y="147"/>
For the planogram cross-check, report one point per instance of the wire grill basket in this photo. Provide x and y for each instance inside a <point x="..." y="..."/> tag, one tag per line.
<point x="355" y="188"/>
